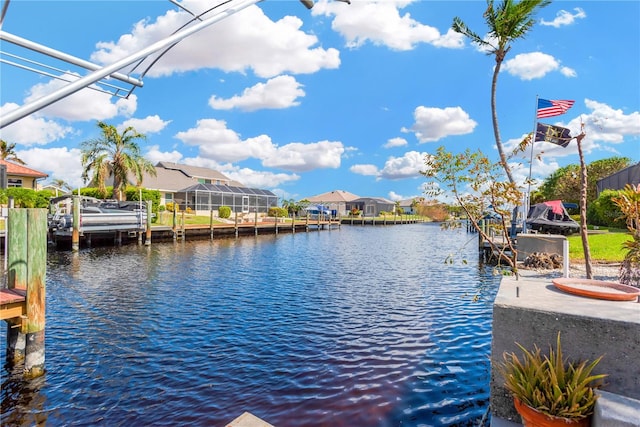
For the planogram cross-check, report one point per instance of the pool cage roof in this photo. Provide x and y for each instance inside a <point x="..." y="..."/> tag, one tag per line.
<point x="226" y="189"/>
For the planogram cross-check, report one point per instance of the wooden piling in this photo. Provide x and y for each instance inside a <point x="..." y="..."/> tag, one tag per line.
<point x="36" y="292"/>
<point x="26" y="264"/>
<point x="75" y="233"/>
<point x="255" y="223"/>
<point x="211" y="224"/>
<point x="147" y="240"/>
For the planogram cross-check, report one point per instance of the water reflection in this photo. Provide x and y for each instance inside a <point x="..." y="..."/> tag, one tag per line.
<point x="361" y="326"/>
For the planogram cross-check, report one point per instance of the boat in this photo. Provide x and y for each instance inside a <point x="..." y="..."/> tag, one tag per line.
<point x="96" y="215"/>
<point x="552" y="218"/>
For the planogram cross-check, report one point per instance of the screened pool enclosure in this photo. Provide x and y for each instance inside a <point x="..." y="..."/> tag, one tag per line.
<point x="208" y="197"/>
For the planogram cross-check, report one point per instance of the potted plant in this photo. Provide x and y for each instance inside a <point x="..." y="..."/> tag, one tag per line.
<point x="551" y="390"/>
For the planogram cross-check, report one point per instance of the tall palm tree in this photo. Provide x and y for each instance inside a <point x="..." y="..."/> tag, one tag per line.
<point x="8" y="152"/>
<point x="61" y="183"/>
<point x="114" y="155"/>
<point x="508" y="21"/>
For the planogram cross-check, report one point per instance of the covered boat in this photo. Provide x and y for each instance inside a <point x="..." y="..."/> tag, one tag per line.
<point x="551" y="218"/>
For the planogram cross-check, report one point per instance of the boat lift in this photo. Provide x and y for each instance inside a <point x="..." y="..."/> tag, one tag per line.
<point x="99" y="77"/>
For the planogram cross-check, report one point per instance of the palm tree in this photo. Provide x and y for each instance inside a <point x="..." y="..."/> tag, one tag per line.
<point x="114" y="155"/>
<point x="509" y="21"/>
<point x="7" y="152"/>
<point x="61" y="183"/>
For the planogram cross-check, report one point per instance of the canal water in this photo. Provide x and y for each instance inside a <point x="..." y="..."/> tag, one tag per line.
<point x="357" y="326"/>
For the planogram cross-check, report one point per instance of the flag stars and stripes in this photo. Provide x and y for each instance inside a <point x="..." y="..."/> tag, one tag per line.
<point x="550" y="108"/>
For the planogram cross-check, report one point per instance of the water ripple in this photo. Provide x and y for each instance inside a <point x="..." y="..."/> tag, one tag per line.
<point x="362" y="326"/>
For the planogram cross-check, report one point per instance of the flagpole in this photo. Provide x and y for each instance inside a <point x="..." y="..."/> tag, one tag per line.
<point x="533" y="140"/>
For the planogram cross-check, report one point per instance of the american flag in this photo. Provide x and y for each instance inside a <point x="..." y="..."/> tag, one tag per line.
<point x="550" y="108"/>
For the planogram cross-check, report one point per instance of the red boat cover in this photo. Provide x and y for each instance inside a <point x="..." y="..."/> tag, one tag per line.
<point x="556" y="206"/>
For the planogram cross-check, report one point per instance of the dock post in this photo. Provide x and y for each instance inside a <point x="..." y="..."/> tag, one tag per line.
<point x="211" y="223"/>
<point x="75" y="233"/>
<point x="36" y="292"/>
<point x="147" y="240"/>
<point x="174" y="221"/>
<point x="276" y="223"/>
<point x="293" y="222"/>
<point x="307" y="222"/>
<point x="255" y="221"/>
<point x="27" y="268"/>
<point x="16" y="277"/>
<point x="236" y="224"/>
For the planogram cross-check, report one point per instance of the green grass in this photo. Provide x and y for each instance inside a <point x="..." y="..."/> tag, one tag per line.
<point x="604" y="247"/>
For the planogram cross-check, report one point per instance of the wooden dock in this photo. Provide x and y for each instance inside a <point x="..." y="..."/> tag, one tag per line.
<point x="12" y="303"/>
<point x="195" y="232"/>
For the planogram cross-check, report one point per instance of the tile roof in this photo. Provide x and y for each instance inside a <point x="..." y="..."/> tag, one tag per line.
<point x="193" y="171"/>
<point x="172" y="177"/>
<point x="333" y="196"/>
<point x="20" y="170"/>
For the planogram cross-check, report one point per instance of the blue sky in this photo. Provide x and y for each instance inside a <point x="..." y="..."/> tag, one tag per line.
<point x="342" y="97"/>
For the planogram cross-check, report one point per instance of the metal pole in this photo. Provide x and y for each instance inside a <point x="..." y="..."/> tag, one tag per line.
<point x="27" y="44"/>
<point x="25" y="110"/>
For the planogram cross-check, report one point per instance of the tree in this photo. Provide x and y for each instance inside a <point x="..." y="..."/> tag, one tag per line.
<point x="7" y="152"/>
<point x="564" y="184"/>
<point x="476" y="184"/>
<point x="583" y="206"/>
<point x="114" y="155"/>
<point x="509" y="21"/>
<point x="61" y="183"/>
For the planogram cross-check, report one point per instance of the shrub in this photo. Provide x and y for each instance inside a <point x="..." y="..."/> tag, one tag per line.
<point x="277" y="211"/>
<point x="224" y="211"/>
<point x="603" y="211"/>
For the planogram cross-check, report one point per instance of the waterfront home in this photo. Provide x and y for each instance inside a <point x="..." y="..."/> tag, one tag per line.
<point x="15" y="175"/>
<point x="202" y="190"/>
<point x="371" y="206"/>
<point x="334" y="201"/>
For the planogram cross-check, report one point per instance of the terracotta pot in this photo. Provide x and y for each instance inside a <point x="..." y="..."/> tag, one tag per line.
<point x="533" y="418"/>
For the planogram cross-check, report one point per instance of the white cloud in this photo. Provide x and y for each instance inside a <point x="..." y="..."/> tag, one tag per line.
<point x="217" y="142"/>
<point x="237" y="43"/>
<point x="407" y="166"/>
<point x="395" y="196"/>
<point x="278" y="92"/>
<point x="84" y="105"/>
<point x="300" y="157"/>
<point x="32" y="130"/>
<point x="221" y="144"/>
<point x="432" y="124"/>
<point x="568" y="72"/>
<point x="150" y="124"/>
<point x="58" y="163"/>
<point x="380" y="23"/>
<point x="396" y="142"/>
<point x="259" y="179"/>
<point x="154" y="155"/>
<point x="366" y="170"/>
<point x="529" y="66"/>
<point x="565" y="18"/>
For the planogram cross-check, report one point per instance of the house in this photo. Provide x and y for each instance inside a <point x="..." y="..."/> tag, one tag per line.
<point x="618" y="180"/>
<point x="335" y="201"/>
<point x="203" y="190"/>
<point x="20" y="176"/>
<point x="410" y="206"/>
<point x="371" y="206"/>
